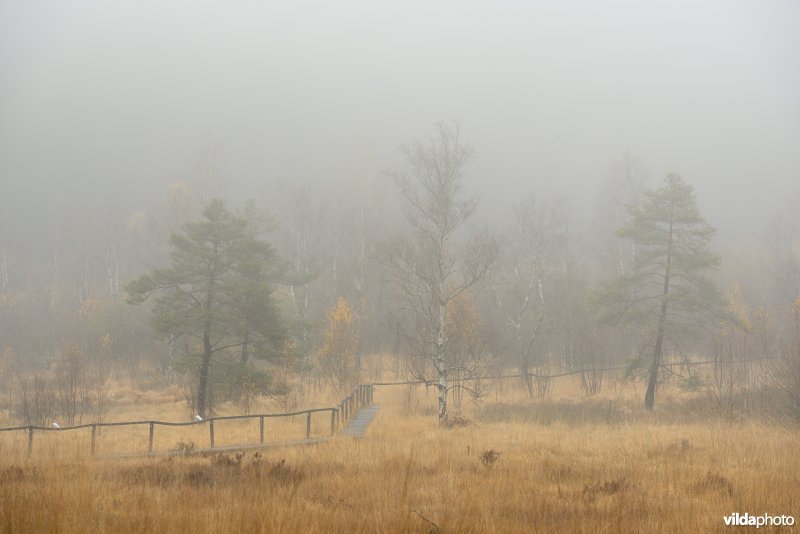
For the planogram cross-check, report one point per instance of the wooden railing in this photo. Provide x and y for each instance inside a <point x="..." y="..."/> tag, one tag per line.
<point x="361" y="396"/>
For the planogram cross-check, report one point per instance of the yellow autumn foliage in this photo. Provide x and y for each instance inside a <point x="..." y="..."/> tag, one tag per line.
<point x="738" y="310"/>
<point x="461" y="320"/>
<point x="337" y="357"/>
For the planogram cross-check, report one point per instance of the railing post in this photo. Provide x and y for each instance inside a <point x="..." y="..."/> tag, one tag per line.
<point x="333" y="421"/>
<point x="211" y="431"/>
<point x="308" y="425"/>
<point x="94" y="436"/>
<point x="30" y="440"/>
<point x="150" y="438"/>
<point x="261" y="429"/>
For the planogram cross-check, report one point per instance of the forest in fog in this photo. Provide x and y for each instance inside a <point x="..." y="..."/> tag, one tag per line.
<point x="542" y="291"/>
<point x="537" y="192"/>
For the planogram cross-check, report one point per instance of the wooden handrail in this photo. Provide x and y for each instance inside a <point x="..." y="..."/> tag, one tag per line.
<point x="339" y="415"/>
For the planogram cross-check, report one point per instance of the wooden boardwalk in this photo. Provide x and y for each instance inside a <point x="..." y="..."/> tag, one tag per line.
<point x="356" y="427"/>
<point x="346" y="416"/>
<point x="358" y="424"/>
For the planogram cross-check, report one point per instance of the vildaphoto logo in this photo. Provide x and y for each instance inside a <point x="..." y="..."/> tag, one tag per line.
<point x="764" y="520"/>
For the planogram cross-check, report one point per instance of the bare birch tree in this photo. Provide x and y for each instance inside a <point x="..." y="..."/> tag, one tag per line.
<point x="622" y="188"/>
<point x="429" y="269"/>
<point x="523" y="282"/>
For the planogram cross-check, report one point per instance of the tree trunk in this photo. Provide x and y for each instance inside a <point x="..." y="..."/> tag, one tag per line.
<point x="208" y="351"/>
<point x="649" y="398"/>
<point x="112" y="271"/>
<point x="3" y="271"/>
<point x="440" y="367"/>
<point x="524" y="361"/>
<point x="245" y="348"/>
<point x="527" y="378"/>
<point x="202" y="386"/>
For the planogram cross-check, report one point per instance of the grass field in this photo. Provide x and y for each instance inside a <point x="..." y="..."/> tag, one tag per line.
<point x="520" y="465"/>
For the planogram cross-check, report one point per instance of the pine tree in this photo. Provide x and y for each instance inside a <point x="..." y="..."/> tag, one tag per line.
<point x="668" y="286"/>
<point x="216" y="294"/>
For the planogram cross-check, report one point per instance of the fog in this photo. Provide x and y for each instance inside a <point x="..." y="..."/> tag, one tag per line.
<point x="551" y="248"/>
<point x="116" y="100"/>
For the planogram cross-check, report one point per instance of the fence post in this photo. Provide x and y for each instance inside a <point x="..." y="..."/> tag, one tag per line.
<point x="94" y="436"/>
<point x="261" y="429"/>
<point x="333" y="420"/>
<point x="30" y="440"/>
<point x="308" y="425"/>
<point x="150" y="438"/>
<point x="211" y="431"/>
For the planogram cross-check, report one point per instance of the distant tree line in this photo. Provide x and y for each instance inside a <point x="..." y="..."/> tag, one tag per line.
<point x="234" y="300"/>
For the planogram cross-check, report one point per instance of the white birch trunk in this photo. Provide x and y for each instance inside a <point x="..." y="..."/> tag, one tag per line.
<point x="440" y="366"/>
<point x="3" y="271"/>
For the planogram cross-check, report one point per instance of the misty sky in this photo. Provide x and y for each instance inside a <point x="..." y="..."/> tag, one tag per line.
<point x="122" y="98"/>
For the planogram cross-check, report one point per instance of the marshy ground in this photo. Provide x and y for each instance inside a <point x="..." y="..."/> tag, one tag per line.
<point x="519" y="465"/>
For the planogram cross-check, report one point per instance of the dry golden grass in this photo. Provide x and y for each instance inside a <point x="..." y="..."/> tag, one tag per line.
<point x="127" y="403"/>
<point x="599" y="465"/>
